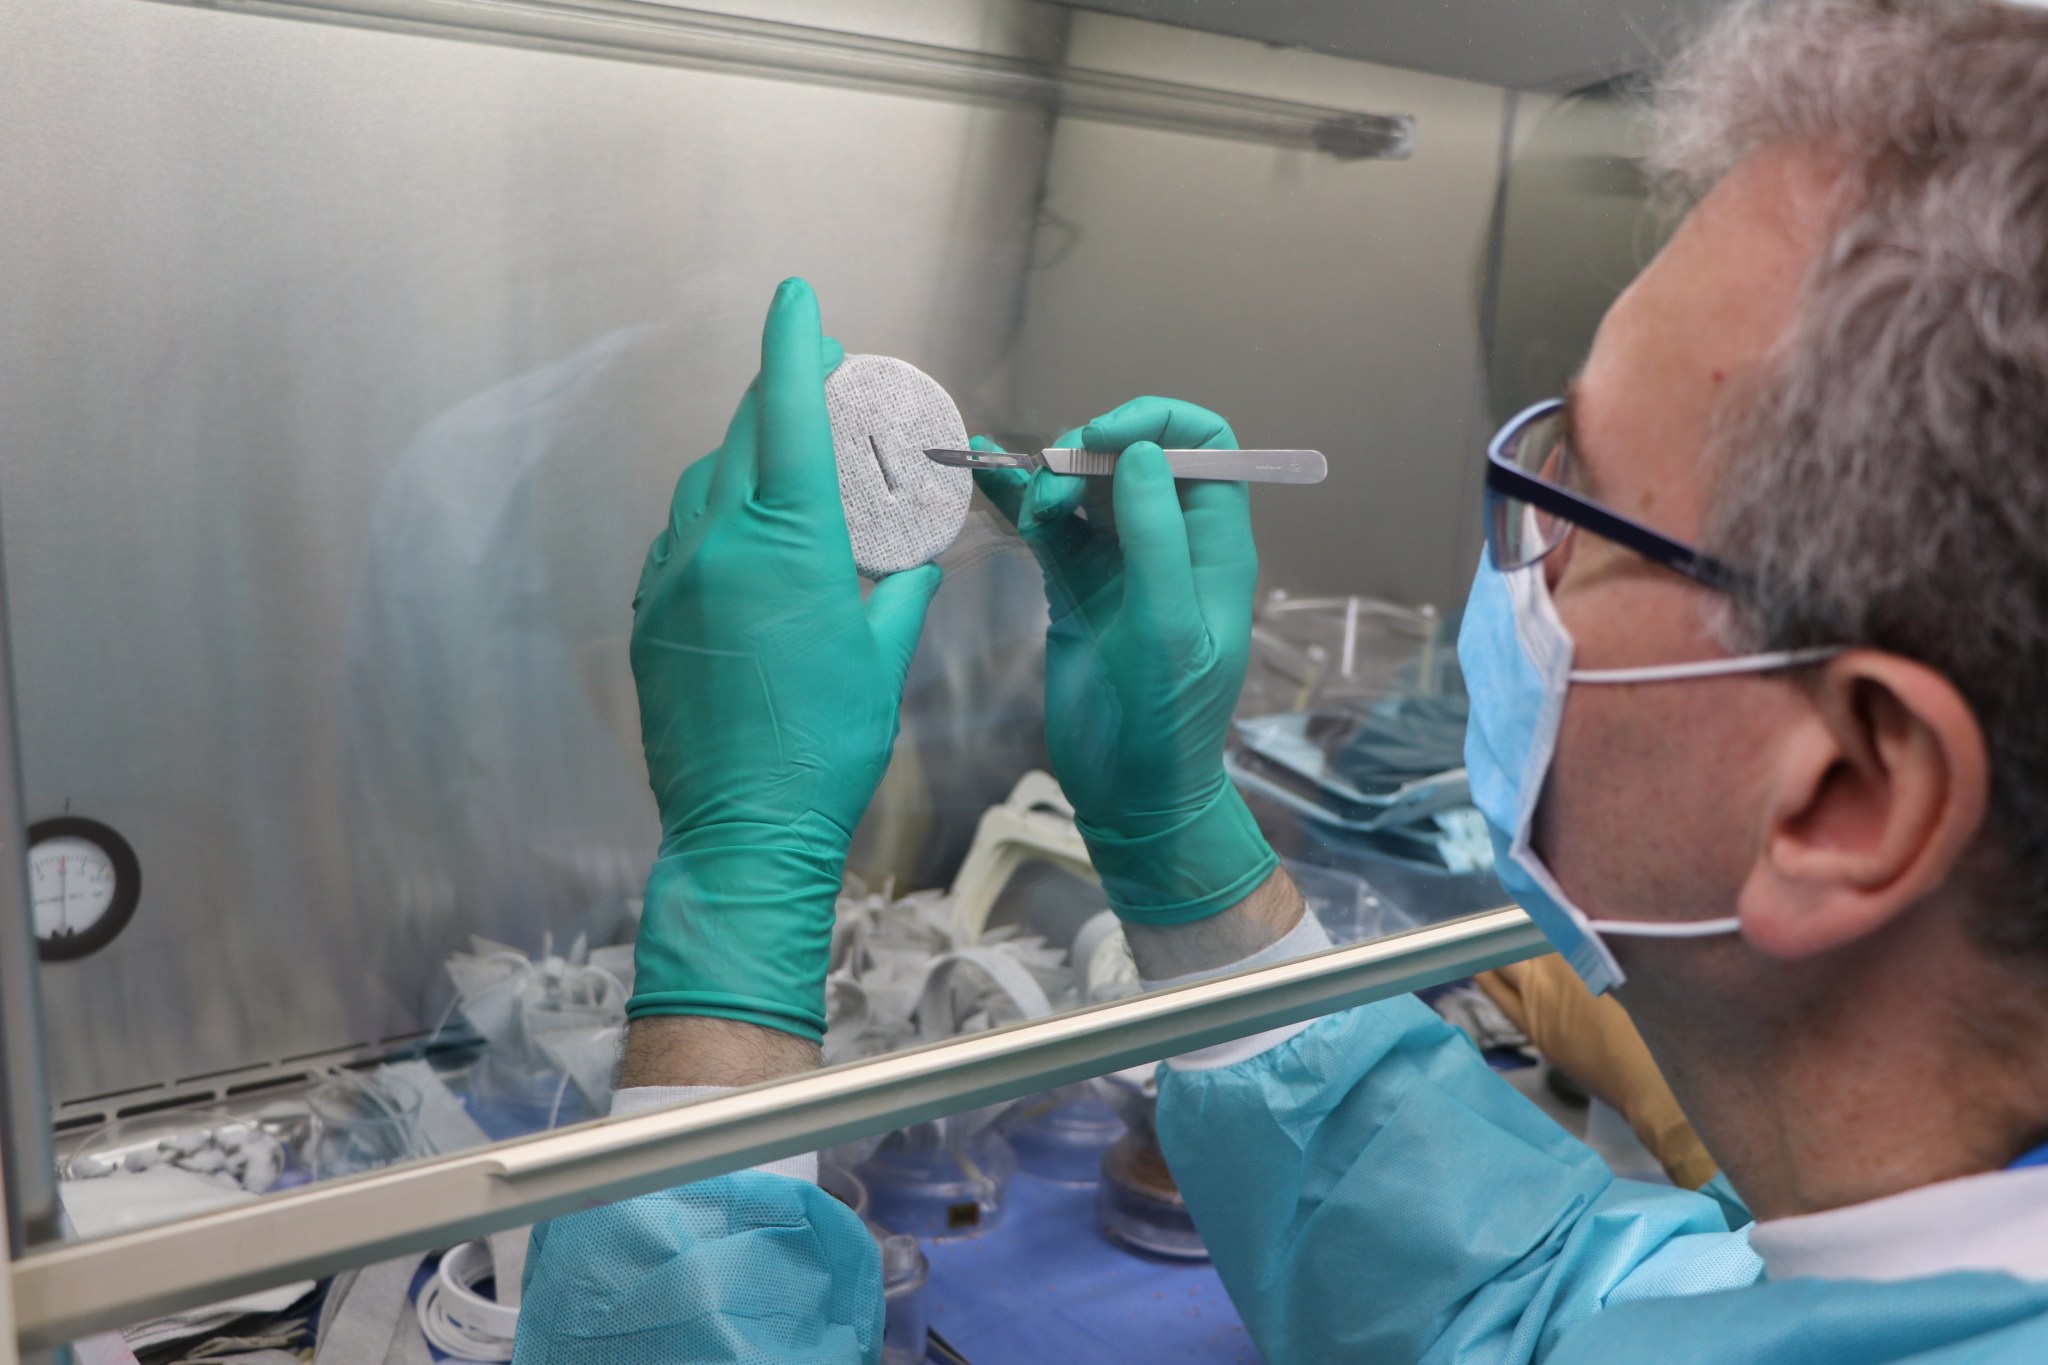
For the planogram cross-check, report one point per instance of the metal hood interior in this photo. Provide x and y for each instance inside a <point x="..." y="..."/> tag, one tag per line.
<point x="350" y="370"/>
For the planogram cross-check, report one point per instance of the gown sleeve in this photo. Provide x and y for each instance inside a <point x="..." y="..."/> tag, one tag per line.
<point x="752" y="1267"/>
<point x="1371" y="1190"/>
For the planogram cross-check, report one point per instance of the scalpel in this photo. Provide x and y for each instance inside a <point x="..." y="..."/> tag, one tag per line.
<point x="1238" y="466"/>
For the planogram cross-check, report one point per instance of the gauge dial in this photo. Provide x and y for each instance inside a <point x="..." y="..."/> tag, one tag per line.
<point x="72" y="881"/>
<point x="84" y="881"/>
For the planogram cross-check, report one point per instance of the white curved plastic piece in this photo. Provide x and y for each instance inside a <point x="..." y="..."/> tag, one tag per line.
<point x="1102" y="959"/>
<point x="940" y="1004"/>
<point x="461" y="1322"/>
<point x="1035" y="822"/>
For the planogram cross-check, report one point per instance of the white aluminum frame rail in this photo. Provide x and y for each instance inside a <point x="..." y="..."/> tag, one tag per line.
<point x="66" y="1291"/>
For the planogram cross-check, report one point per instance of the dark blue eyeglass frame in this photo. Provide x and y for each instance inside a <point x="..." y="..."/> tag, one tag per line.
<point x="1506" y="480"/>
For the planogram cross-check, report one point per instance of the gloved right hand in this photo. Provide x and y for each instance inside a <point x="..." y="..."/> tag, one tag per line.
<point x="769" y="700"/>
<point x="1151" y="599"/>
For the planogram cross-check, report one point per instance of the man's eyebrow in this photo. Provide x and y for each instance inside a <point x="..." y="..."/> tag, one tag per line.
<point x="1568" y="432"/>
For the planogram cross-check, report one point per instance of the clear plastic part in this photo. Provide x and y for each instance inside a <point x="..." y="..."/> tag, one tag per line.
<point x="940" y="1180"/>
<point x="211" y="1142"/>
<point x="906" y="1279"/>
<point x="1307" y="650"/>
<point x="1061" y="1135"/>
<point x="1139" y="1205"/>
<point x="843" y="1185"/>
<point x="359" y="1127"/>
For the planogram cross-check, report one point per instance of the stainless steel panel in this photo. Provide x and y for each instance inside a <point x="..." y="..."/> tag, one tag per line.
<point x="1317" y="304"/>
<point x="1518" y="45"/>
<point x="689" y="35"/>
<point x="1575" y="228"/>
<point x="344" y="380"/>
<point x="348" y="371"/>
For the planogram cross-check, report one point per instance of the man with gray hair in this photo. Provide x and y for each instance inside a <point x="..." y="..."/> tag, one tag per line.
<point x="1757" y="662"/>
<point x="1757" y="658"/>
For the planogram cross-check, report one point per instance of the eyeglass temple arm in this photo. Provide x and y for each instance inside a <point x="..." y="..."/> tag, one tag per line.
<point x="1507" y="481"/>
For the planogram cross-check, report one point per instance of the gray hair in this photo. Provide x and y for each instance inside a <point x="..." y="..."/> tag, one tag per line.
<point x="1886" y="480"/>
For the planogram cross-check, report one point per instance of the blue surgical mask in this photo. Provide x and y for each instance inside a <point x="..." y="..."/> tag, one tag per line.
<point x="1517" y="659"/>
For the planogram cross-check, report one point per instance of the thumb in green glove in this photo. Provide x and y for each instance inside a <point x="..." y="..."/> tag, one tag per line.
<point x="769" y="700"/>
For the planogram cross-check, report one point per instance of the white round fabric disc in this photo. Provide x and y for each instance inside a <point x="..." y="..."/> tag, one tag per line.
<point x="902" y="510"/>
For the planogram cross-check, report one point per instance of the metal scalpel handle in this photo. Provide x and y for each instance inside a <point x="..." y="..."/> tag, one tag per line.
<point x="1237" y="466"/>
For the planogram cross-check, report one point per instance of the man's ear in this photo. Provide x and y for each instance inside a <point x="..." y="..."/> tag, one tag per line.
<point x="1872" y="799"/>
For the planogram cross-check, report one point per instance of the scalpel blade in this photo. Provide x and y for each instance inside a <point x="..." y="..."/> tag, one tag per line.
<point x="986" y="459"/>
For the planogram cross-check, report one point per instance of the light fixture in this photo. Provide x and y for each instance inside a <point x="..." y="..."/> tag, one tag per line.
<point x="636" y="30"/>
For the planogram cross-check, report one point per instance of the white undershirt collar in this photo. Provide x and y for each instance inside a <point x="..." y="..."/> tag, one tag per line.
<point x="1997" y="1221"/>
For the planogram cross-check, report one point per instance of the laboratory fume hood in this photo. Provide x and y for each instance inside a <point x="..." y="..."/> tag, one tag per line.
<point x="353" y="346"/>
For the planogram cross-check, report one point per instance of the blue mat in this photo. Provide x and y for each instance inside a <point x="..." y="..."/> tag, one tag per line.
<point x="1046" y="1285"/>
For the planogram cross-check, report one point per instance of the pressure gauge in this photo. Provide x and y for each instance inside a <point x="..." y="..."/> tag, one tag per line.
<point x="84" y="881"/>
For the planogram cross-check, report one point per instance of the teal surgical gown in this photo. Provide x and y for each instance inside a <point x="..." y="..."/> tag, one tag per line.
<point x="1370" y="1190"/>
<point x="749" y="1267"/>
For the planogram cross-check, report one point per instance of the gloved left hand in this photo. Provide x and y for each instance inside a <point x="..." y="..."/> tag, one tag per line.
<point x="769" y="700"/>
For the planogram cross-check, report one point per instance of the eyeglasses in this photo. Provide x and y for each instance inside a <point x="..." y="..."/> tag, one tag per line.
<point x="1531" y="505"/>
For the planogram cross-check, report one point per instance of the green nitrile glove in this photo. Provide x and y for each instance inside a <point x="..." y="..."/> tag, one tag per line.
<point x="769" y="699"/>
<point x="1151" y="596"/>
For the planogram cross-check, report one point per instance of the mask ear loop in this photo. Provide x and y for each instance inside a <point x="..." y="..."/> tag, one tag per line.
<point x="1710" y="668"/>
<point x="1694" y="928"/>
<point x="1704" y="668"/>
